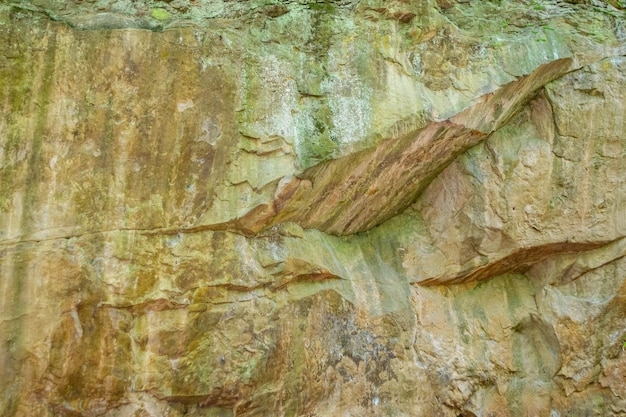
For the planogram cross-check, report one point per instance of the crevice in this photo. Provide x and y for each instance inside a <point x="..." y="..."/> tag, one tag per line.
<point x="218" y="227"/>
<point x="570" y="274"/>
<point x="322" y="275"/>
<point x="518" y="261"/>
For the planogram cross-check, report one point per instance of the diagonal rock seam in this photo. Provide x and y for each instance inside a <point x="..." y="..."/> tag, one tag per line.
<point x="403" y="168"/>
<point x="519" y="262"/>
<point x="343" y="205"/>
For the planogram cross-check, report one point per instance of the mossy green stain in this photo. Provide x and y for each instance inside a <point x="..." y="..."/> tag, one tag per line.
<point x="35" y="162"/>
<point x="16" y="90"/>
<point x="160" y="14"/>
<point x="317" y="150"/>
<point x="9" y="172"/>
<point x="516" y="293"/>
<point x="15" y="77"/>
<point x="325" y="7"/>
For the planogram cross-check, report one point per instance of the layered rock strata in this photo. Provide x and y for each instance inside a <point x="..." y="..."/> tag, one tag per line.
<point x="338" y="208"/>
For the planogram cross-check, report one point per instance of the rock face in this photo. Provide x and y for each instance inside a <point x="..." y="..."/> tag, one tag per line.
<point x="337" y="208"/>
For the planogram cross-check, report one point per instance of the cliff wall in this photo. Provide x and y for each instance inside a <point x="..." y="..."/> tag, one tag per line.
<point x="298" y="208"/>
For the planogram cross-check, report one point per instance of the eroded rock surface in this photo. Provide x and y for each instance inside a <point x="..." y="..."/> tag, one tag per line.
<point x="338" y="208"/>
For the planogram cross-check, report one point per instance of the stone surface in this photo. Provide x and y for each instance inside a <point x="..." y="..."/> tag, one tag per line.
<point x="337" y="208"/>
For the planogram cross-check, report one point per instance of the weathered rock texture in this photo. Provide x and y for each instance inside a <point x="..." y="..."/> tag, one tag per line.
<point x="331" y="208"/>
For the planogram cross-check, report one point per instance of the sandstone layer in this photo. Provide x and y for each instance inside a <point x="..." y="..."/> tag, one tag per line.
<point x="312" y="208"/>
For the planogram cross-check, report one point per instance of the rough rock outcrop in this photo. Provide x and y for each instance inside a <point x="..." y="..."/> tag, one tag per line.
<point x="312" y="208"/>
